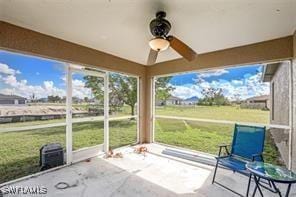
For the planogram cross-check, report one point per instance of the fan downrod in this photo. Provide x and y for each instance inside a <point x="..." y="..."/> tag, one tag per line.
<point x="160" y="14"/>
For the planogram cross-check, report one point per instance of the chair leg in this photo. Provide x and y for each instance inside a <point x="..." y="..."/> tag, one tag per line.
<point x="215" y="172"/>
<point x="250" y="178"/>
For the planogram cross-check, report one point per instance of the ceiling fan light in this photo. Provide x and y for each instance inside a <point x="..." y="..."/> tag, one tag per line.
<point x="159" y="44"/>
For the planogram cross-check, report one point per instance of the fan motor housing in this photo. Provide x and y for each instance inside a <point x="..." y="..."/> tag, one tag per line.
<point x="159" y="26"/>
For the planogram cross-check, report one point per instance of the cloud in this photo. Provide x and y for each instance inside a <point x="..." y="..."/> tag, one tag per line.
<point x="10" y="79"/>
<point x="237" y="82"/>
<point x="250" y="86"/>
<point x="22" y="88"/>
<point x="215" y="73"/>
<point x="11" y="85"/>
<point x="5" y="69"/>
<point x="79" y="89"/>
<point x="47" y="88"/>
<point x="187" y="91"/>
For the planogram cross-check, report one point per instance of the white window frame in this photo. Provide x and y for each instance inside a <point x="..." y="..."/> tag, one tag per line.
<point x="288" y="127"/>
<point x="138" y="110"/>
<point x="69" y="150"/>
<point x="85" y="152"/>
<point x="88" y="152"/>
<point x="75" y="156"/>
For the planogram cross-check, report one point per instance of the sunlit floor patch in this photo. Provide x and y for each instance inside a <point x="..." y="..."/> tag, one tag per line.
<point x="175" y="176"/>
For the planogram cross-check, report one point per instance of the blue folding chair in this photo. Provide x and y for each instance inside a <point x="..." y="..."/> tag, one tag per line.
<point x="247" y="145"/>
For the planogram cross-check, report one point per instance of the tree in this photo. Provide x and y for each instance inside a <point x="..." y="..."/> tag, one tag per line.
<point x="33" y="98"/>
<point x="128" y="90"/>
<point x="54" y="99"/>
<point x="86" y="99"/>
<point x="213" y="96"/>
<point x="96" y="84"/>
<point x="163" y="88"/>
<point x="123" y="89"/>
<point x="237" y="98"/>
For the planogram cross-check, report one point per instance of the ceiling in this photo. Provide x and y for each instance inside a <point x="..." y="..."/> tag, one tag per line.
<point x="120" y="27"/>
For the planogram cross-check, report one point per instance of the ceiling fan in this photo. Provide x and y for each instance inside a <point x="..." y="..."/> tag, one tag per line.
<point x="160" y="28"/>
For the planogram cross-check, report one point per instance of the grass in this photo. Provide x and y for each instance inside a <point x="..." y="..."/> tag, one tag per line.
<point x="20" y="150"/>
<point x="231" y="113"/>
<point x="31" y="123"/>
<point x="204" y="137"/>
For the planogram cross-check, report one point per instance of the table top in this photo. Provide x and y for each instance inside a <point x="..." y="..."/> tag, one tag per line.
<point x="271" y="172"/>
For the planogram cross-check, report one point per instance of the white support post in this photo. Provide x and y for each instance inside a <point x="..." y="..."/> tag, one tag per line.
<point x="153" y="108"/>
<point x="138" y="110"/>
<point x="106" y="112"/>
<point x="69" y="115"/>
<point x="290" y="114"/>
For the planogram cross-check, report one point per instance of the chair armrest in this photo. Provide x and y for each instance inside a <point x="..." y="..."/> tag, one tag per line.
<point x="223" y="146"/>
<point x="254" y="156"/>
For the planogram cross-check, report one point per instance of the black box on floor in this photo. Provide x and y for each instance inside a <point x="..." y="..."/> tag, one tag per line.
<point x="51" y="155"/>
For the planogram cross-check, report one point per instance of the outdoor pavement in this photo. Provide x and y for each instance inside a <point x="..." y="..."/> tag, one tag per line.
<point x="152" y="174"/>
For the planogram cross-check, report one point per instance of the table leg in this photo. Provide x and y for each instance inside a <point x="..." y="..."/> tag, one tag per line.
<point x="257" y="186"/>
<point x="288" y="190"/>
<point x="276" y="189"/>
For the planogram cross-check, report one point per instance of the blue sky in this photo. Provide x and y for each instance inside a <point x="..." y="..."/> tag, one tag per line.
<point x="239" y="82"/>
<point x="24" y="75"/>
<point x="36" y="70"/>
<point x="233" y="74"/>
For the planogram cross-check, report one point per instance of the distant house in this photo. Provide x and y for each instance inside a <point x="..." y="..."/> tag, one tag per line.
<point x="12" y="100"/>
<point x="190" y="101"/>
<point x="258" y="102"/>
<point x="173" y="100"/>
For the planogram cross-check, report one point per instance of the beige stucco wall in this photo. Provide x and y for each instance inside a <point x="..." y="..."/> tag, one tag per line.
<point x="293" y="135"/>
<point x="280" y="108"/>
<point x="262" y="52"/>
<point x="281" y="139"/>
<point x="26" y="41"/>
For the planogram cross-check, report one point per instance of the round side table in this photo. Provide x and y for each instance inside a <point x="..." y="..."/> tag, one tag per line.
<point x="272" y="174"/>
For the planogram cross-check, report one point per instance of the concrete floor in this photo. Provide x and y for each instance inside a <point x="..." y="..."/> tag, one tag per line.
<point x="137" y="175"/>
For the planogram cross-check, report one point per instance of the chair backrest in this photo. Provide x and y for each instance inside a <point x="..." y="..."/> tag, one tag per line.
<point x="247" y="141"/>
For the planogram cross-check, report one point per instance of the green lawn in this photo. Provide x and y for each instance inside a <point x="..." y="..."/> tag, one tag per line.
<point x="31" y="123"/>
<point x="231" y="113"/>
<point x="20" y="150"/>
<point x="204" y="137"/>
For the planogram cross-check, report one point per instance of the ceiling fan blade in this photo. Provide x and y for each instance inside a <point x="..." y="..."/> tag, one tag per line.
<point x="152" y="57"/>
<point x="182" y="48"/>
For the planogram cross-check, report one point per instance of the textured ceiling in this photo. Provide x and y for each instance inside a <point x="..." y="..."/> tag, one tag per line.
<point x="120" y="27"/>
